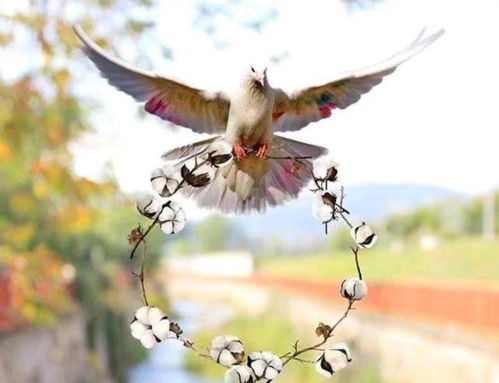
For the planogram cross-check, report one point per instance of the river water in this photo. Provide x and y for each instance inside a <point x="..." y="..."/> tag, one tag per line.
<point x="165" y="361"/>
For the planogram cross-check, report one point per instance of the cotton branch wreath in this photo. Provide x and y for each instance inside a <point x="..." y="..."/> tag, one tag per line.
<point x="151" y="326"/>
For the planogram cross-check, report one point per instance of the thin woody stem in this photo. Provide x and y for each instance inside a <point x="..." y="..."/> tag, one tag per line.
<point x="345" y="315"/>
<point x="304" y="361"/>
<point x="143" y="237"/>
<point x="342" y="211"/>
<point x="141" y="275"/>
<point x="326" y="337"/>
<point x="355" y="250"/>
<point x="190" y="346"/>
<point x="357" y="264"/>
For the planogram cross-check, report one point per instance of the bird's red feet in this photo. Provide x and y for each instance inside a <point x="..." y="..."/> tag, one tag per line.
<point x="263" y="151"/>
<point x="239" y="152"/>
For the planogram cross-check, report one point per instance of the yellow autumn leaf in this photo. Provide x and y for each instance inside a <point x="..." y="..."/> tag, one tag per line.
<point x="18" y="236"/>
<point x="5" y="151"/>
<point x="74" y="218"/>
<point x="22" y="204"/>
<point x="41" y="188"/>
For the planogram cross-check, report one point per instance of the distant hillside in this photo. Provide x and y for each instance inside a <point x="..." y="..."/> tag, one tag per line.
<point x="293" y="222"/>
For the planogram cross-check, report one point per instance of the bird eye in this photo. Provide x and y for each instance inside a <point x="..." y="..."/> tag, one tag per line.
<point x="253" y="70"/>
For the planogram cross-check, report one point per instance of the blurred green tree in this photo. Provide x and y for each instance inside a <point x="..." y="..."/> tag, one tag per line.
<point x="448" y="219"/>
<point x="213" y="233"/>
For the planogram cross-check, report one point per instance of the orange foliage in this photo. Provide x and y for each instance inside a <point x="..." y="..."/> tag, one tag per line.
<point x="47" y="213"/>
<point x="5" y="151"/>
<point x="73" y="219"/>
<point x="38" y="290"/>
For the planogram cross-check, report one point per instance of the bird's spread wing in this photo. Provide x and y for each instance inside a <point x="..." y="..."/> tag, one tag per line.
<point x="293" y="112"/>
<point x="168" y="99"/>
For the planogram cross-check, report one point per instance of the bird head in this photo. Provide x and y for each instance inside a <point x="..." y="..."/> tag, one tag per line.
<point x="258" y="78"/>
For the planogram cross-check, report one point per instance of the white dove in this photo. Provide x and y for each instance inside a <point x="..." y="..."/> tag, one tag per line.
<point x="248" y="120"/>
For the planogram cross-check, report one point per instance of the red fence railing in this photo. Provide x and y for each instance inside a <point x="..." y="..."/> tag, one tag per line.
<point x="467" y="306"/>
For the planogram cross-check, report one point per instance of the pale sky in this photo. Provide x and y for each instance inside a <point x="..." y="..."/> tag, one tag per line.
<point x="434" y="121"/>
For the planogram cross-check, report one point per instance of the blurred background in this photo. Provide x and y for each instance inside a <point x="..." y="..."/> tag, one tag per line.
<point x="417" y="157"/>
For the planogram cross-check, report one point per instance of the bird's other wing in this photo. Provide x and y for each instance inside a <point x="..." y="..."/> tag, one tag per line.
<point x="293" y="112"/>
<point x="188" y="151"/>
<point x="168" y="99"/>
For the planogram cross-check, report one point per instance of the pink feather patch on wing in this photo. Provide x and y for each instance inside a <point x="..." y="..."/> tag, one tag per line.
<point x="324" y="111"/>
<point x="289" y="172"/>
<point x="155" y="106"/>
<point x="276" y="115"/>
<point x="289" y="176"/>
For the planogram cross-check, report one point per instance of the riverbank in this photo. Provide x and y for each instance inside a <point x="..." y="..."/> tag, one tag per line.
<point x="49" y="354"/>
<point x="402" y="350"/>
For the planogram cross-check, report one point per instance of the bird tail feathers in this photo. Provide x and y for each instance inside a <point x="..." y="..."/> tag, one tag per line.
<point x="252" y="184"/>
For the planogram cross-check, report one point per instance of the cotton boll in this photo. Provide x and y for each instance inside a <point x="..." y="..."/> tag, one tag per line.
<point x="326" y="169"/>
<point x="148" y="205"/>
<point x="220" y="153"/>
<point x="234" y="345"/>
<point x="148" y="339"/>
<point x="226" y="350"/>
<point x="239" y="374"/>
<point x="272" y="373"/>
<point x="258" y="366"/>
<point x="162" y="329"/>
<point x="353" y="289"/>
<point x="322" y="211"/>
<point x="150" y="326"/>
<point x="334" y="359"/>
<point x="142" y="315"/>
<point x="154" y="314"/>
<point x="165" y="181"/>
<point x="137" y="329"/>
<point x="265" y="364"/>
<point x="159" y="322"/>
<point x="196" y="169"/>
<point x="364" y="236"/>
<point x="226" y="358"/>
<point x="172" y="219"/>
